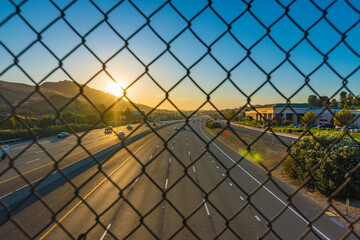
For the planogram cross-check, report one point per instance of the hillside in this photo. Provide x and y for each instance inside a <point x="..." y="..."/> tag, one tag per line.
<point x="64" y="90"/>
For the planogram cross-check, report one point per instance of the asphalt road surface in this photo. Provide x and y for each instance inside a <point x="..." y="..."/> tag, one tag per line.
<point x="36" y="160"/>
<point x="175" y="190"/>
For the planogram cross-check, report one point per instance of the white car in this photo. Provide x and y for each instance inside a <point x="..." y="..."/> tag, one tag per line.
<point x="63" y="135"/>
<point x="4" y="151"/>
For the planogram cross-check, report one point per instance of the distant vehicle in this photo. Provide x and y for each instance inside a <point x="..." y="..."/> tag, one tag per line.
<point x="63" y="135"/>
<point x="176" y="128"/>
<point x="4" y="151"/>
<point x="121" y="134"/>
<point x="108" y="130"/>
<point x="325" y="125"/>
<point x="129" y="127"/>
<point x="154" y="124"/>
<point x="352" y="129"/>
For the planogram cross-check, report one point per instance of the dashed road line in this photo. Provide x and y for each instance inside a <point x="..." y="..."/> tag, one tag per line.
<point x="33" y="160"/>
<point x="206" y="208"/>
<point x="150" y="157"/>
<point x="257" y="218"/>
<point x="169" y="160"/>
<point x="194" y="168"/>
<point x="230" y="184"/>
<point x="268" y="190"/>
<point x="166" y="183"/>
<point x="189" y="153"/>
<point x="242" y="199"/>
<point x="104" y="234"/>
<point x="40" y="151"/>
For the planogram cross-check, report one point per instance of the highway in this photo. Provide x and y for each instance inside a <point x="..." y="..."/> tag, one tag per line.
<point x="36" y="160"/>
<point x="179" y="191"/>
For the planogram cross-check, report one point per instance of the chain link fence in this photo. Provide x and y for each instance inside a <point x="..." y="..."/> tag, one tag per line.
<point x="308" y="174"/>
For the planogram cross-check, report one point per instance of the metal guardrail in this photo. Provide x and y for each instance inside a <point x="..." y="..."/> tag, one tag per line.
<point x="10" y="141"/>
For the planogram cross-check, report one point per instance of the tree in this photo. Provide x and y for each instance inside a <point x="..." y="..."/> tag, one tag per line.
<point x="334" y="103"/>
<point x="343" y="99"/>
<point x="230" y="114"/>
<point x="308" y="118"/>
<point x="313" y="100"/>
<point x="343" y="117"/>
<point x="323" y="101"/>
<point x="68" y="117"/>
<point x="91" y="118"/>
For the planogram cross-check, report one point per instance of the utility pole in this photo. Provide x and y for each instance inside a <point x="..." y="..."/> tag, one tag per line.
<point x="76" y="110"/>
<point x="51" y="118"/>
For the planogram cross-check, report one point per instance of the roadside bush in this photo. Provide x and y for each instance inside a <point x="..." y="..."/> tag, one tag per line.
<point x="209" y="122"/>
<point x="328" y="177"/>
<point x="45" y="132"/>
<point x="215" y="125"/>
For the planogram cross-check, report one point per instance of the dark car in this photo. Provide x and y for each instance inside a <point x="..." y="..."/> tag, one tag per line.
<point x="63" y="135"/>
<point x="325" y="125"/>
<point x="108" y="130"/>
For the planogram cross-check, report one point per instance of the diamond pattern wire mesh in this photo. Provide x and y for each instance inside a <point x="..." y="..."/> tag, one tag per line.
<point x="209" y="100"/>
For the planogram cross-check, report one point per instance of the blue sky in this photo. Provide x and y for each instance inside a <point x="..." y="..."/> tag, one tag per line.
<point x="265" y="56"/>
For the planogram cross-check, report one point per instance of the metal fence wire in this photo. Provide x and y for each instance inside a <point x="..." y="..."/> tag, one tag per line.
<point x="54" y="217"/>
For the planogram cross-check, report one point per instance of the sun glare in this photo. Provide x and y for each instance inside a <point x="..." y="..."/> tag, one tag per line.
<point x="114" y="89"/>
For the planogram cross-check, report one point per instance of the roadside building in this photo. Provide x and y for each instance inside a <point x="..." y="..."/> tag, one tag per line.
<point x="294" y="112"/>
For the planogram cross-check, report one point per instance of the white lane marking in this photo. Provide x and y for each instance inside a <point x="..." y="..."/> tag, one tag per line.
<point x="242" y="199"/>
<point x="189" y="153"/>
<point x="206" y="208"/>
<point x="212" y="161"/>
<point x="223" y="175"/>
<point x="150" y="157"/>
<point x="107" y="229"/>
<point x="187" y="144"/>
<point x="268" y="190"/>
<point x="169" y="160"/>
<point x="194" y="169"/>
<point x="257" y="218"/>
<point x="8" y="194"/>
<point x="338" y="223"/>
<point x="18" y="147"/>
<point x="172" y="147"/>
<point x="166" y="183"/>
<point x="33" y="160"/>
<point x="230" y="184"/>
<point x="40" y="151"/>
<point x="217" y="166"/>
<point x="33" y="148"/>
<point x="136" y="180"/>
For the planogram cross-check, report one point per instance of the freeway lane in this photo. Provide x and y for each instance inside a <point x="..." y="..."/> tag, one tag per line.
<point x="34" y="163"/>
<point x="200" y="193"/>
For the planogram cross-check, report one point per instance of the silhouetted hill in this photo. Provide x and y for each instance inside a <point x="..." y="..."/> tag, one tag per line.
<point x="60" y="92"/>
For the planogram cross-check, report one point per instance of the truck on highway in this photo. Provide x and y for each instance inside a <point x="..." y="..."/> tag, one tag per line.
<point x="4" y="151"/>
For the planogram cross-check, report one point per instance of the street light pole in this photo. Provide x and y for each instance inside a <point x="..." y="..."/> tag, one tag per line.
<point x="76" y="110"/>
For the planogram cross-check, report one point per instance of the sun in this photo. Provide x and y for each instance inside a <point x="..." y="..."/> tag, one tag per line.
<point x="114" y="89"/>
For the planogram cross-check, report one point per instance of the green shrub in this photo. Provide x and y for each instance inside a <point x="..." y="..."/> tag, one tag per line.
<point x="328" y="177"/>
<point x="215" y="125"/>
<point x="45" y="132"/>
